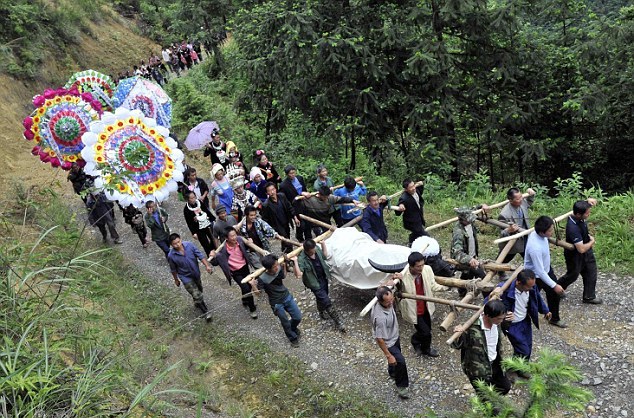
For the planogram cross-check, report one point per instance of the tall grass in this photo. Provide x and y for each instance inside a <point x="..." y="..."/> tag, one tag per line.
<point x="51" y="361"/>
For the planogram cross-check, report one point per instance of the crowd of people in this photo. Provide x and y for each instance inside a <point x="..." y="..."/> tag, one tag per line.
<point x="173" y="60"/>
<point x="241" y="210"/>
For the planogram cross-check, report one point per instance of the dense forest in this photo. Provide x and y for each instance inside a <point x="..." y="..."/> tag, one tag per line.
<point x="526" y="91"/>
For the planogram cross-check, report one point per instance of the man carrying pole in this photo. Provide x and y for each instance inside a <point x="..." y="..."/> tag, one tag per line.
<point x="537" y="259"/>
<point x="515" y="213"/>
<point x="385" y="332"/>
<point x="580" y="260"/>
<point x="464" y="246"/>
<point x="419" y="279"/>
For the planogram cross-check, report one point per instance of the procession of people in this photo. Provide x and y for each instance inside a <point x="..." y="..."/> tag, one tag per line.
<point x="243" y="207"/>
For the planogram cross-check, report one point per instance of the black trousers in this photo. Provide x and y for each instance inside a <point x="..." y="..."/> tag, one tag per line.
<point x="552" y="298"/>
<point x="206" y="240"/>
<point x="399" y="370"/>
<point x="584" y="265"/>
<point x="415" y="233"/>
<point x="498" y="378"/>
<point x="245" y="288"/>
<point x="422" y="337"/>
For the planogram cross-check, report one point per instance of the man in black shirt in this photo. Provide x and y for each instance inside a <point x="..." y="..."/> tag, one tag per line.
<point x="278" y="212"/>
<point x="581" y="261"/>
<point x="281" y="300"/>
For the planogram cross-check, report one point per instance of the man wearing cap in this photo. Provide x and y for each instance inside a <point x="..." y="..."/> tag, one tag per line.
<point x="410" y="206"/>
<point x="419" y="279"/>
<point x="292" y="186"/>
<point x="464" y="245"/>
<point x="222" y="222"/>
<point x="278" y="212"/>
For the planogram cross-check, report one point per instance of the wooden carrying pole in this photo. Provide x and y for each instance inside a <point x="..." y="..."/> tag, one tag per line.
<point x="400" y="192"/>
<point x="255" y="248"/>
<point x="280" y="260"/>
<point x="552" y="240"/>
<point x="451" y="316"/>
<point x="298" y="250"/>
<point x="476" y="315"/>
<point x="449" y="281"/>
<point x="441" y="301"/>
<point x="375" y="300"/>
<point x="493" y="266"/>
<point x="317" y="222"/>
<point x="289" y="241"/>
<point x="475" y="212"/>
<point x="528" y="231"/>
<point x="338" y="186"/>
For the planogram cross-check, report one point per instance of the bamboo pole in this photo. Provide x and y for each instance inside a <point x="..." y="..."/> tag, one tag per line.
<point x="298" y="250"/>
<point x="254" y="247"/>
<point x="363" y="206"/>
<point x="338" y="186"/>
<point x="475" y="212"/>
<point x="451" y="316"/>
<point x="317" y="222"/>
<point x="552" y="240"/>
<point x="375" y="300"/>
<point x="492" y="266"/>
<point x="400" y="192"/>
<point x="289" y="241"/>
<point x="528" y="231"/>
<point x="441" y="301"/>
<point x="476" y="315"/>
<point x="449" y="281"/>
<point x="256" y="273"/>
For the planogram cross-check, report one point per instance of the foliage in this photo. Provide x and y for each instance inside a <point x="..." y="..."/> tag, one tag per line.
<point x="53" y="359"/>
<point x="32" y="29"/>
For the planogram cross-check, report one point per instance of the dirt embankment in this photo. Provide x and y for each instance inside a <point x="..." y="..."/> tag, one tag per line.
<point x="108" y="46"/>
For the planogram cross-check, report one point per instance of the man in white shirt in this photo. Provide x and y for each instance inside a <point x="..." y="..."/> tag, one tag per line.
<point x="537" y="259"/>
<point x="523" y="299"/>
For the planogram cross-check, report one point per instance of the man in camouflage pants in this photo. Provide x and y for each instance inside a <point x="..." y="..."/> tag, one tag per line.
<point x="480" y="348"/>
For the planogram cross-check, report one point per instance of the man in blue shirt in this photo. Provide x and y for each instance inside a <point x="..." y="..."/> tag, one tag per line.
<point x="183" y="258"/>
<point x="353" y="189"/>
<point x="373" y="223"/>
<point x="581" y="261"/>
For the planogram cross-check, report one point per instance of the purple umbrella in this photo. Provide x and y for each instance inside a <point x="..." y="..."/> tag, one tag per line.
<point x="201" y="135"/>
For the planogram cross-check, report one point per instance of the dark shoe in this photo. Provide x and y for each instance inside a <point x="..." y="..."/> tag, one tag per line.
<point x="559" y="324"/>
<point x="208" y="317"/>
<point x="523" y="375"/>
<point x="118" y="241"/>
<point x="295" y="343"/>
<point x="403" y="393"/>
<point x="254" y="315"/>
<point x="299" y="333"/>
<point x="418" y="351"/>
<point x="432" y="352"/>
<point x="595" y="301"/>
<point x="323" y="315"/>
<point x="104" y="240"/>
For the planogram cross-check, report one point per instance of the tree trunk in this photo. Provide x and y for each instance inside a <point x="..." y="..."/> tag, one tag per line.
<point x="353" y="151"/>
<point x="490" y="154"/>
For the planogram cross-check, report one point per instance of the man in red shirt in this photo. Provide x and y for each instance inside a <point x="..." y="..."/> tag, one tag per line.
<point x="419" y="279"/>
